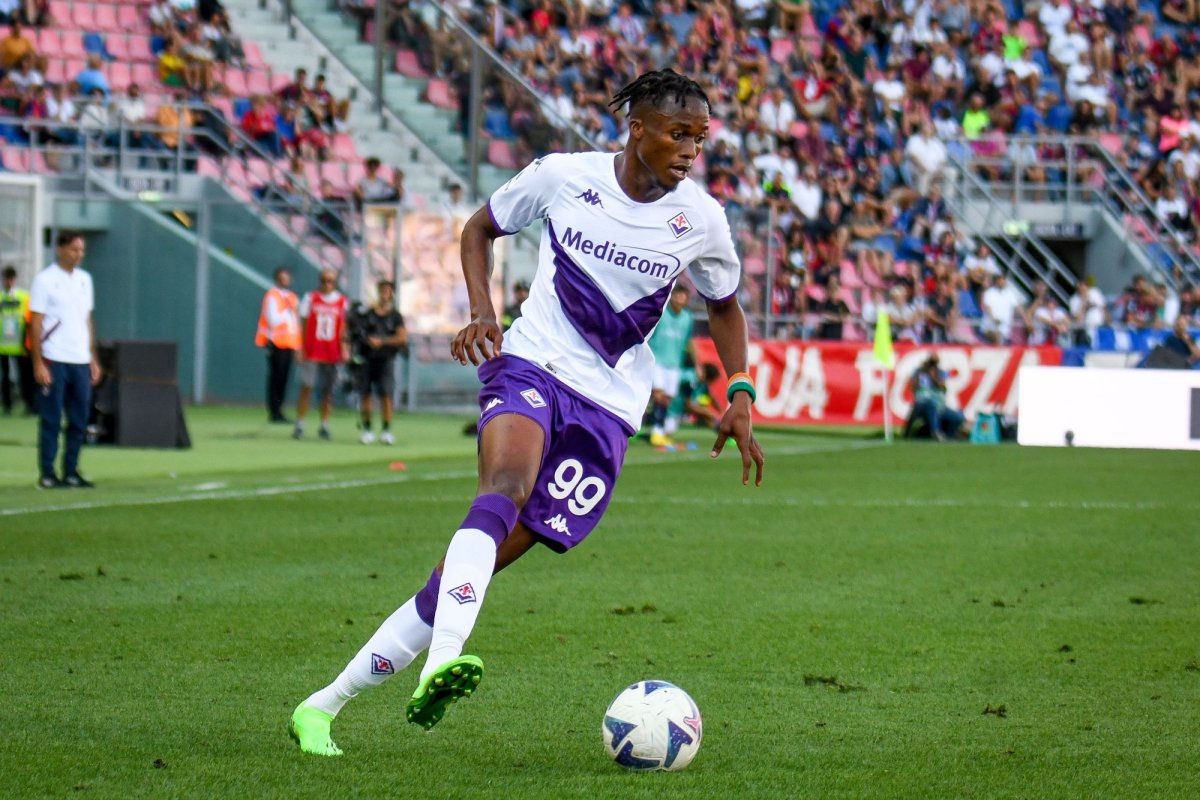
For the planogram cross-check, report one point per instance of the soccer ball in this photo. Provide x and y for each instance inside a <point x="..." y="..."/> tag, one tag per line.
<point x="652" y="725"/>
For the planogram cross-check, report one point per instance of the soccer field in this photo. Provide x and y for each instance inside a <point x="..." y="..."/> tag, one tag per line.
<point x="907" y="621"/>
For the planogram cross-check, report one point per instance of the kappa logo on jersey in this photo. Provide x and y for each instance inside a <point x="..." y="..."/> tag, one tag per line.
<point x="495" y="401"/>
<point x="591" y="198"/>
<point x="463" y="594"/>
<point x="679" y="225"/>
<point x="558" y="524"/>
<point x="381" y="665"/>
<point x="533" y="398"/>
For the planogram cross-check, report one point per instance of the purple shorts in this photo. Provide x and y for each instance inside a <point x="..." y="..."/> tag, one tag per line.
<point x="585" y="447"/>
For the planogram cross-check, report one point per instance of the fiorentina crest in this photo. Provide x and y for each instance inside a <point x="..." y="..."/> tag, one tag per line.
<point x="463" y="594"/>
<point x="679" y="225"/>
<point x="381" y="665"/>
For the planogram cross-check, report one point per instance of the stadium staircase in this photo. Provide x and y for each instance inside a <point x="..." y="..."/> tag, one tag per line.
<point x="1099" y="202"/>
<point x="414" y="129"/>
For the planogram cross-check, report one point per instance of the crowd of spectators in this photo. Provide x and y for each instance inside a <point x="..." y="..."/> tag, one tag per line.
<point x="834" y="122"/>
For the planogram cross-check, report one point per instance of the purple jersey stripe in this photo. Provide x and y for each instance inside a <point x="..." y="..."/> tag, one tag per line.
<point x="497" y="225"/>
<point x="608" y="331"/>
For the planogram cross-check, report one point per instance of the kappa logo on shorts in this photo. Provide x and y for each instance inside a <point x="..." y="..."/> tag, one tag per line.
<point x="381" y="665"/>
<point x="495" y="401"/>
<point x="558" y="524"/>
<point x="534" y="398"/>
<point x="463" y="594"/>
<point x="679" y="224"/>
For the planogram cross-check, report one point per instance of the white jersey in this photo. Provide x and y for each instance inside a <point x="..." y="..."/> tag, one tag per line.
<point x="606" y="267"/>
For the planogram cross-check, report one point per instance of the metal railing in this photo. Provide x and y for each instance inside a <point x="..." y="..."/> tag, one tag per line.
<point x="1080" y="170"/>
<point x="138" y="158"/>
<point x="1025" y="256"/>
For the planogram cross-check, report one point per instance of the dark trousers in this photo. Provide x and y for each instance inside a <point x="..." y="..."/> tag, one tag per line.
<point x="279" y="369"/>
<point x="16" y="370"/>
<point x="70" y="390"/>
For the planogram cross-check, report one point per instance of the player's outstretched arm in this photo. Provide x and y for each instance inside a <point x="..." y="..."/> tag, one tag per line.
<point x="480" y="340"/>
<point x="727" y="326"/>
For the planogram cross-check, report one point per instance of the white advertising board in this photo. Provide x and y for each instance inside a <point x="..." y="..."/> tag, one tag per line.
<point x="1150" y="408"/>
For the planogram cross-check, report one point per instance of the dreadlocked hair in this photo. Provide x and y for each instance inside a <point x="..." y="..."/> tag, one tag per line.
<point x="655" y="87"/>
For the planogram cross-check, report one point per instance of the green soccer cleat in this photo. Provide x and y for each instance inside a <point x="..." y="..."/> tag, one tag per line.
<point x="310" y="729"/>
<point x="452" y="680"/>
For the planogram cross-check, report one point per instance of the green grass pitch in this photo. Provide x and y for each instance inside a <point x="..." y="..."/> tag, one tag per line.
<point x="906" y="621"/>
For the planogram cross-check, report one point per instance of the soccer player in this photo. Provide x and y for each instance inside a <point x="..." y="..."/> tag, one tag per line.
<point x="566" y="386"/>
<point x="324" y="346"/>
<point x="671" y="342"/>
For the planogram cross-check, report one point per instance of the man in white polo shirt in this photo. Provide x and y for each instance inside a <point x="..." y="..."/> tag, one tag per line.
<point x="63" y="346"/>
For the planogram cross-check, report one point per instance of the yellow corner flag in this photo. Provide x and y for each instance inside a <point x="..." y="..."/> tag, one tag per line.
<point x="884" y="353"/>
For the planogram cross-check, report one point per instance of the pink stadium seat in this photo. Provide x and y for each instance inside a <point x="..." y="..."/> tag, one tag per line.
<point x="343" y="147"/>
<point x="279" y="81"/>
<point x="84" y="16"/>
<point x="16" y="159"/>
<point x="852" y="332"/>
<point x="849" y="276"/>
<point x="129" y="18"/>
<point x="385" y="172"/>
<point x="1029" y="32"/>
<point x="962" y="331"/>
<point x="145" y="75"/>
<point x="1111" y="142"/>
<point x="234" y="172"/>
<point x="782" y="49"/>
<point x="240" y="192"/>
<point x="139" y="48"/>
<point x="118" y="46"/>
<point x="71" y="43"/>
<point x="56" y="71"/>
<point x="223" y="105"/>
<point x="61" y="12"/>
<point x="407" y="64"/>
<point x="334" y="172"/>
<point x="106" y="18"/>
<point x="119" y="76"/>
<point x="438" y="93"/>
<point x="500" y="154"/>
<point x="235" y="82"/>
<point x="355" y="171"/>
<point x="208" y="168"/>
<point x="48" y="41"/>
<point x="798" y="129"/>
<point x="313" y="173"/>
<point x="258" y="83"/>
<point x="815" y="292"/>
<point x="852" y="303"/>
<point x="253" y="55"/>
<point x="901" y="268"/>
<point x="871" y="278"/>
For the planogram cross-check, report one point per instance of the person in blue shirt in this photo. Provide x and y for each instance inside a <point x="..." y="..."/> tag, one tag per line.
<point x="93" y="77"/>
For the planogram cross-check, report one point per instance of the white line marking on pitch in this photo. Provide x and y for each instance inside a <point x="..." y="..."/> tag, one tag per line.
<point x="198" y="495"/>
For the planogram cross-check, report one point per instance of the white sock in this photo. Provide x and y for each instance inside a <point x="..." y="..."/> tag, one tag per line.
<point x="671" y="426"/>
<point x="398" y="641"/>
<point x="470" y="560"/>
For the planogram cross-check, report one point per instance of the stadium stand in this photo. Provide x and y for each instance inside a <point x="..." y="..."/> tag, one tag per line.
<point x="845" y="135"/>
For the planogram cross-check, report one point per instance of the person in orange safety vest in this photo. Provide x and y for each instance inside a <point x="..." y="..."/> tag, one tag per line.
<point x="279" y="333"/>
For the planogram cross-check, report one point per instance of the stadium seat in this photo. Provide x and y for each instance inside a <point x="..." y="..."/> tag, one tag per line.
<point x="128" y="18"/>
<point x="335" y="173"/>
<point x="1111" y="142"/>
<point x="849" y="276"/>
<point x="71" y="43"/>
<point x="84" y="16"/>
<point x="145" y="75"/>
<point x="782" y="49"/>
<point x="500" y="153"/>
<point x="343" y="148"/>
<point x="1029" y="32"/>
<point x="408" y="65"/>
<point x="48" y="40"/>
<point x="118" y="47"/>
<point x="439" y="94"/>
<point x="355" y="172"/>
<point x="257" y="82"/>
<point x="56" y="71"/>
<point x="254" y="56"/>
<point x="853" y="332"/>
<point x="279" y="81"/>
<point x="119" y="76"/>
<point x="235" y="83"/>
<point x="106" y="18"/>
<point x="815" y="293"/>
<point x="139" y="49"/>
<point x="208" y="168"/>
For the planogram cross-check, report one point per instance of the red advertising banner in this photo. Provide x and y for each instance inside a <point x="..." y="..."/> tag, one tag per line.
<point x="840" y="383"/>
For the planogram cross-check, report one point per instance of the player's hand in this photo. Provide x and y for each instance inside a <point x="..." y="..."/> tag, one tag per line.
<point x="478" y="342"/>
<point x="736" y="424"/>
